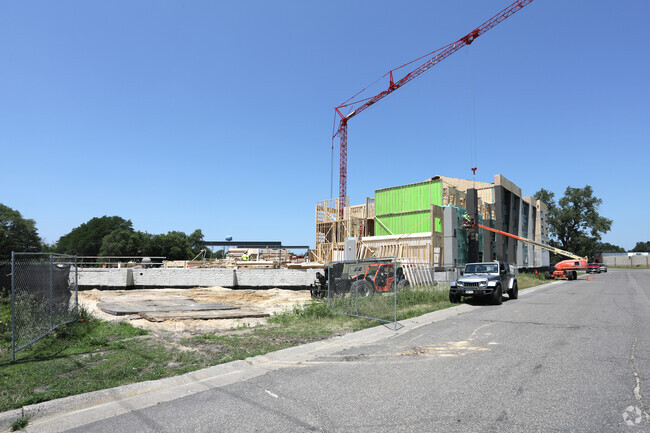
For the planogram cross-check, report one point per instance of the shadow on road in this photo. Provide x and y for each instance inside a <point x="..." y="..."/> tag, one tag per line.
<point x="483" y="300"/>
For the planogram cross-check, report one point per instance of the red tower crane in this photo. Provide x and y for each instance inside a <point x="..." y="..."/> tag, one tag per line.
<point x="434" y="58"/>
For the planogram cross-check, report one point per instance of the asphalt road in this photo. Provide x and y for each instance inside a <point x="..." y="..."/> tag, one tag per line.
<point x="570" y="356"/>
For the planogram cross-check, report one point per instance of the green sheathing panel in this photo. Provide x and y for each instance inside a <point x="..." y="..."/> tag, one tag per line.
<point x="412" y="222"/>
<point x="403" y="209"/>
<point x="407" y="198"/>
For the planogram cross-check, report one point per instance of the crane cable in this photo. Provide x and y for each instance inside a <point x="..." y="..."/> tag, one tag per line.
<point x="332" y="158"/>
<point x="473" y="154"/>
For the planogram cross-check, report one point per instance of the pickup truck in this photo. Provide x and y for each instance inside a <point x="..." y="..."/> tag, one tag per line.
<point x="488" y="280"/>
<point x="593" y="268"/>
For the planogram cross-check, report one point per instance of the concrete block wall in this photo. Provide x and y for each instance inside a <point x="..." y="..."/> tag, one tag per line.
<point x="640" y="260"/>
<point x="98" y="277"/>
<point x="276" y="277"/>
<point x="158" y="277"/>
<point x="636" y="261"/>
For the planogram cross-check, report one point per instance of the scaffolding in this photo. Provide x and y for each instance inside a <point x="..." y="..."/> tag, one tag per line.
<point x="334" y="225"/>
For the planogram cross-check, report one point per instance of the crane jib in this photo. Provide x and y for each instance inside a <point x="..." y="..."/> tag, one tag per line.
<point x="446" y="52"/>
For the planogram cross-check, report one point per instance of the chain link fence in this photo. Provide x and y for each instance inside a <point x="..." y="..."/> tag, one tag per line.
<point x="43" y="296"/>
<point x="377" y="288"/>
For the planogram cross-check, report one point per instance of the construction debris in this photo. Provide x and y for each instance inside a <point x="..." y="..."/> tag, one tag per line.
<point x="246" y="258"/>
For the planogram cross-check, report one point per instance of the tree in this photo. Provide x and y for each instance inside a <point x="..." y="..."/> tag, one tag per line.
<point x="17" y="233"/>
<point x="122" y="242"/>
<point x="173" y="245"/>
<point x="86" y="240"/>
<point x="606" y="247"/>
<point x="574" y="222"/>
<point x="196" y="242"/>
<point x="547" y="197"/>
<point x="642" y="247"/>
<point x="219" y="254"/>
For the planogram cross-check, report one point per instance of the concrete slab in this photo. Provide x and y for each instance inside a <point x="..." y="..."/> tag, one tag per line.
<point x="134" y="307"/>
<point x="161" y="316"/>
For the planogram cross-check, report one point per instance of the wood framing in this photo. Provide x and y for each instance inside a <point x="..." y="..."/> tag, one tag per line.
<point x="334" y="225"/>
<point x="413" y="246"/>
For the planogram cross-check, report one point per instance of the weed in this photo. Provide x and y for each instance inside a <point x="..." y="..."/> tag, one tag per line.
<point x="20" y="423"/>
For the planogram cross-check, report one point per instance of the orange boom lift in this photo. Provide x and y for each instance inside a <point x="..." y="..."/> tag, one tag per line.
<point x="564" y="269"/>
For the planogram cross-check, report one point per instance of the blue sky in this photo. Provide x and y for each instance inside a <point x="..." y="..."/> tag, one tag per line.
<point x="218" y="115"/>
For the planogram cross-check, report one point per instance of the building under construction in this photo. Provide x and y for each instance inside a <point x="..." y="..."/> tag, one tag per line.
<point x="423" y="222"/>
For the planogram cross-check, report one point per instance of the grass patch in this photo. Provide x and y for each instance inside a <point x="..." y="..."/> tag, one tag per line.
<point x="410" y="302"/>
<point x="526" y="281"/>
<point x="302" y="325"/>
<point x="82" y="357"/>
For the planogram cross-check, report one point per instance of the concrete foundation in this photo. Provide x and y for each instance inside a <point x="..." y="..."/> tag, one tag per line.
<point x="90" y="278"/>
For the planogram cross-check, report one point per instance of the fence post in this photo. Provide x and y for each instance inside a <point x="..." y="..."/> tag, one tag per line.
<point x="51" y="292"/>
<point x="76" y="289"/>
<point x="356" y="291"/>
<point x="13" y="308"/>
<point x="395" y="283"/>
<point x="329" y="286"/>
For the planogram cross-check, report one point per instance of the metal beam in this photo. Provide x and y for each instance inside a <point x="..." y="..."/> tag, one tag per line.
<point x="243" y="244"/>
<point x="253" y="244"/>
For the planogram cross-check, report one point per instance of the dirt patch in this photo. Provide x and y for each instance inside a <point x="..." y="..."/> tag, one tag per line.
<point x="265" y="301"/>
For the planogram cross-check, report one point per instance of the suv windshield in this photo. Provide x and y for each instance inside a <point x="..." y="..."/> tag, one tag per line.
<point x="481" y="268"/>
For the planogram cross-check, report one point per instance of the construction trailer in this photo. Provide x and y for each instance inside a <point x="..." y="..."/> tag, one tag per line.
<point x="423" y="222"/>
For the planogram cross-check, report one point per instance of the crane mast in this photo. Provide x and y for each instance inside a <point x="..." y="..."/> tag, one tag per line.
<point x="438" y="56"/>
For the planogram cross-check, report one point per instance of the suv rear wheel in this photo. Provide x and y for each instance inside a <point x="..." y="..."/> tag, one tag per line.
<point x="514" y="292"/>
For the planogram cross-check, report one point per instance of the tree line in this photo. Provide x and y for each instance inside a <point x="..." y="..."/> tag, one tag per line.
<point x="100" y="236"/>
<point x="575" y="224"/>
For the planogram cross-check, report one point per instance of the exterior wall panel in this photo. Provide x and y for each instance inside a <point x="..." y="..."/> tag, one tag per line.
<point x="403" y="209"/>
